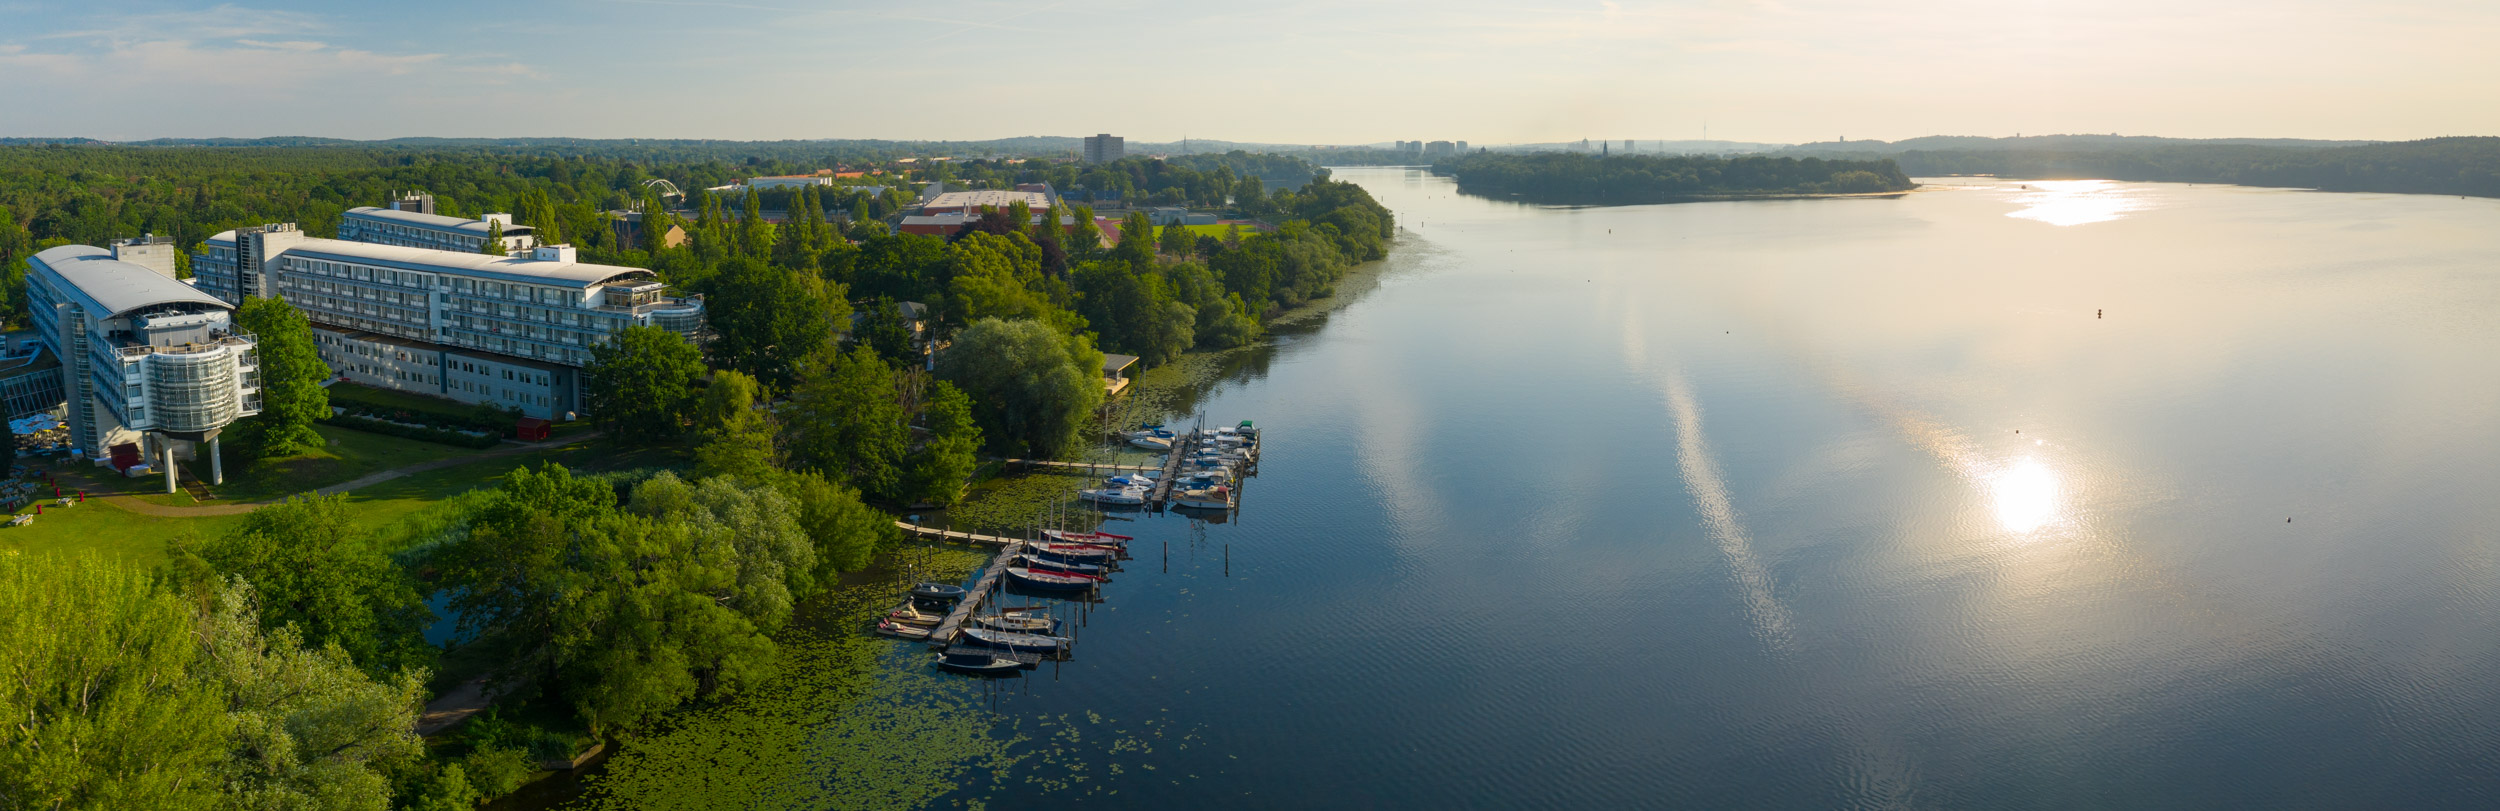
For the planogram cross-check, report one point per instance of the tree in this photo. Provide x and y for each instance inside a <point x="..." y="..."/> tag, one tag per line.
<point x="845" y="423"/>
<point x="310" y="731"/>
<point x="775" y="561"/>
<point x="738" y="436"/>
<point x="1032" y="388"/>
<point x="102" y="710"/>
<point x="1137" y="239"/>
<point x="767" y="319"/>
<point x="845" y="531"/>
<point x="940" y="466"/>
<point x="291" y="372"/>
<point x="1177" y="242"/>
<point x="886" y="332"/>
<point x="121" y="694"/>
<point x="311" y="568"/>
<point x="729" y="396"/>
<point x="493" y="246"/>
<point x="641" y="383"/>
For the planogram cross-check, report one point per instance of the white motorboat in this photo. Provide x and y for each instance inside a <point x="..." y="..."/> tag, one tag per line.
<point x="1125" y="496"/>
<point x="1152" y="443"/>
<point x="1214" y="498"/>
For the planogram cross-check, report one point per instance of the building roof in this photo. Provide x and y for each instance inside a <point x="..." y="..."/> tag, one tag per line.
<point x="1112" y="364"/>
<point x="111" y="287"/>
<point x="436" y="222"/>
<point x="994" y="198"/>
<point x="519" y="268"/>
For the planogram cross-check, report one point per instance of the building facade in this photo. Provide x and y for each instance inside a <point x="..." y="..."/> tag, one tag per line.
<point x="1105" y="148"/>
<point x="405" y="318"/>
<point x="411" y="229"/>
<point x="149" y="366"/>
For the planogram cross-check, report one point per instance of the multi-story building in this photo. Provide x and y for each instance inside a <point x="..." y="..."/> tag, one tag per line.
<point x="416" y="229"/>
<point x="1105" y="148"/>
<point x="150" y="367"/>
<point x="512" y="331"/>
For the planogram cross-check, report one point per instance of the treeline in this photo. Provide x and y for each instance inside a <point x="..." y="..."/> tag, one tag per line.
<point x="772" y="290"/>
<point x="1237" y="180"/>
<point x="1564" y="178"/>
<point x="2462" y="166"/>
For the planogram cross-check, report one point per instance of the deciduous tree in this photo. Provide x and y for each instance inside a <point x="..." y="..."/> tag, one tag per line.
<point x="291" y="371"/>
<point x="641" y="383"/>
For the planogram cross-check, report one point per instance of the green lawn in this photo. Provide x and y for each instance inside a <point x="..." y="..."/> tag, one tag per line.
<point x="1217" y="231"/>
<point x="120" y="533"/>
<point x="107" y="530"/>
<point x="349" y="454"/>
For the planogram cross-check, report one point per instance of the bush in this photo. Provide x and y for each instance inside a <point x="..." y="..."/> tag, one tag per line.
<point x="495" y="772"/>
<point x="412" y="408"/>
<point x="436" y="435"/>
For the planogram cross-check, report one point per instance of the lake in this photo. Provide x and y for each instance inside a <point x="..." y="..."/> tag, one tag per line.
<point x="2001" y="494"/>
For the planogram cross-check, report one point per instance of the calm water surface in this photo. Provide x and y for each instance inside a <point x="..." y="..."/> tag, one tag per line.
<point x="1973" y="498"/>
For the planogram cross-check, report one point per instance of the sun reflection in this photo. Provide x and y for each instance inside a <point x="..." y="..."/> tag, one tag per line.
<point x="2077" y="202"/>
<point x="2026" y="495"/>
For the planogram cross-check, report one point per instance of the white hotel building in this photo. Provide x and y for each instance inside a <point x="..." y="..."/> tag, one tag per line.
<point x="510" y="331"/>
<point x="150" y="367"/>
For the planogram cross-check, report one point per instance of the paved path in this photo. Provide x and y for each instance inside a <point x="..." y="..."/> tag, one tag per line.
<point x="145" y="507"/>
<point x="470" y="698"/>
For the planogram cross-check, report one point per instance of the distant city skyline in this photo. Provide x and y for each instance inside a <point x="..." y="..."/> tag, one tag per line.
<point x="1299" y="73"/>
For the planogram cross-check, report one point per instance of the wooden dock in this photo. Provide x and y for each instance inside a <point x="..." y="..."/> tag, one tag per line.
<point x="933" y="533"/>
<point x="1171" y="469"/>
<point x="979" y="591"/>
<point x="1089" y="467"/>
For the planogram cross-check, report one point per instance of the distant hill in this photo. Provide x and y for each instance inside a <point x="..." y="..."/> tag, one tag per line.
<point x="2464" y="166"/>
<point x="2036" y="143"/>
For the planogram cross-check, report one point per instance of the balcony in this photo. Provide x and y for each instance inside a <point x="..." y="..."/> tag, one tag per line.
<point x="223" y="341"/>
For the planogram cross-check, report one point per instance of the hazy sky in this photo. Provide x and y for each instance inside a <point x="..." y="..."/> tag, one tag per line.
<point x="1336" y="72"/>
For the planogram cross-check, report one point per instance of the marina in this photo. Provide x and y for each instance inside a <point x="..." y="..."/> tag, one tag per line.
<point x="1202" y="470"/>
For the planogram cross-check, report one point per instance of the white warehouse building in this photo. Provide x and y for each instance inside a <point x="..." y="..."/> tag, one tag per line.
<point x="151" y="367"/>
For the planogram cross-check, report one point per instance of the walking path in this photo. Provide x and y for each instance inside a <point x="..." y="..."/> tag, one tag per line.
<point x="145" y="507"/>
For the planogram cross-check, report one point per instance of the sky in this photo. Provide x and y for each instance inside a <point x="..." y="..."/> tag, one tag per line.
<point x="1346" y="72"/>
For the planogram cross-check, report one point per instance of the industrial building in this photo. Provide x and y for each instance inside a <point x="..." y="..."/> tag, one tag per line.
<point x="150" y="367"/>
<point x="966" y="202"/>
<point x="511" y="331"/>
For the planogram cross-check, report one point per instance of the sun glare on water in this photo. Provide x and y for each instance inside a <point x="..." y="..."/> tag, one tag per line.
<point x="2025" y="495"/>
<point x="2076" y="202"/>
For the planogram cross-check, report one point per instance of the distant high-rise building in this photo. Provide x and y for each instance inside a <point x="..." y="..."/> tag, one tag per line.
<point x="1105" y="148"/>
<point x="1462" y="146"/>
<point x="1440" y="148"/>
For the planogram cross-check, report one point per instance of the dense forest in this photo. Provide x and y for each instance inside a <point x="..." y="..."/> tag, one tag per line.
<point x="1565" y="178"/>
<point x="2463" y="166"/>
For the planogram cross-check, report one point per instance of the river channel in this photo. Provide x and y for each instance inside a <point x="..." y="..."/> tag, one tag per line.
<point x="1999" y="494"/>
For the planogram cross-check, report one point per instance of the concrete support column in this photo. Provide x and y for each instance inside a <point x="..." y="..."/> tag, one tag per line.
<point x="216" y="462"/>
<point x="170" y="489"/>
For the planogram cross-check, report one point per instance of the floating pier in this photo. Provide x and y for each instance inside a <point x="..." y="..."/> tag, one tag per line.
<point x="980" y="590"/>
<point x="1089" y="467"/>
<point x="925" y="531"/>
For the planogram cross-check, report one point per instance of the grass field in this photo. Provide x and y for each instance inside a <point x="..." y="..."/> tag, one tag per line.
<point x="1217" y="231"/>
<point x="119" y="533"/>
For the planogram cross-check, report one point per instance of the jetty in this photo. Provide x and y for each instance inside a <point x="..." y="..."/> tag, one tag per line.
<point x="1171" y="470"/>
<point x="933" y="533"/>
<point x="979" y="590"/>
<point x="1089" y="467"/>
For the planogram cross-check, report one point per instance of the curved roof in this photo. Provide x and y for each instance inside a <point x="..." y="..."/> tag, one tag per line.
<point x="109" y="287"/>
